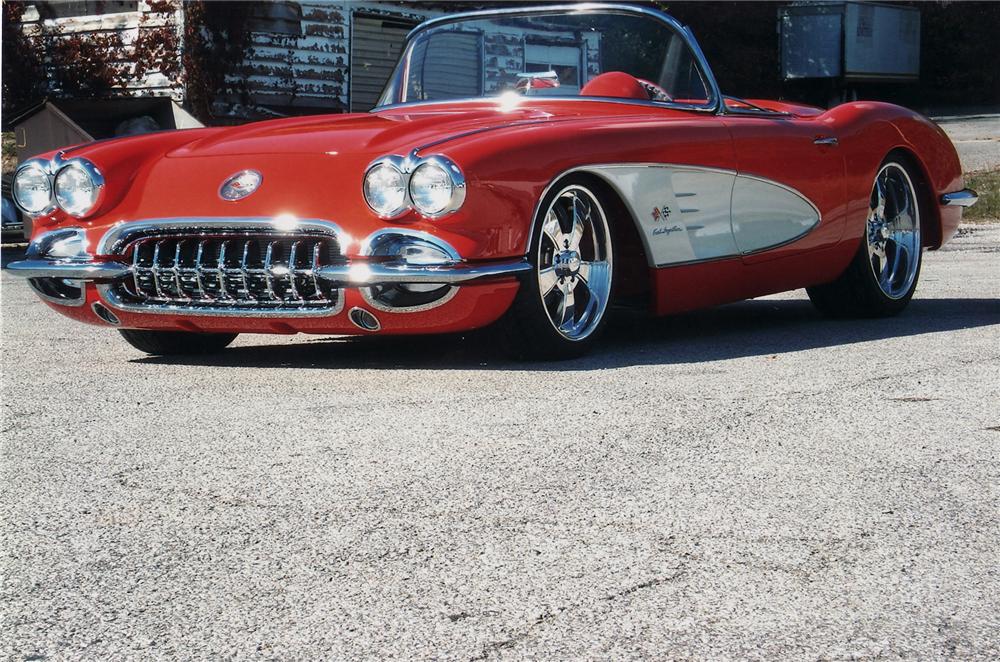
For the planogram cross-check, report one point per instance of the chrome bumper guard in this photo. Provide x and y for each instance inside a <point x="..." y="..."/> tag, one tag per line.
<point x="964" y="198"/>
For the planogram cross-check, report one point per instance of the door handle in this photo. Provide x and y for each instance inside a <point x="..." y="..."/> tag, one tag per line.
<point x="826" y="140"/>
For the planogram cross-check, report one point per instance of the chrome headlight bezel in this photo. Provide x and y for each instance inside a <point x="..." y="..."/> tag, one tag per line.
<point x="455" y="177"/>
<point x="42" y="168"/>
<point x="392" y="164"/>
<point x="407" y="167"/>
<point x="51" y="172"/>
<point x="92" y="173"/>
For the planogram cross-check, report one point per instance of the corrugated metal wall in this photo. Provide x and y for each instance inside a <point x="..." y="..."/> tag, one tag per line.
<point x="376" y="43"/>
<point x="312" y="71"/>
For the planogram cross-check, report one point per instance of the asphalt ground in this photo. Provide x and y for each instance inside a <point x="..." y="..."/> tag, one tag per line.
<point x="751" y="481"/>
<point x="977" y="140"/>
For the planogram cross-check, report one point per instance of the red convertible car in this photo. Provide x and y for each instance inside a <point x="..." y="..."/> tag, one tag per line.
<point x="525" y="167"/>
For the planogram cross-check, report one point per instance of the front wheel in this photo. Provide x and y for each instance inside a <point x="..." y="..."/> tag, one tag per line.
<point x="163" y="343"/>
<point x="560" y="308"/>
<point x="881" y="279"/>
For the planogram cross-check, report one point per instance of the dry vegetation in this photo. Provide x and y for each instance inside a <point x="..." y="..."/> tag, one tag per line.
<point x="987" y="184"/>
<point x="9" y="153"/>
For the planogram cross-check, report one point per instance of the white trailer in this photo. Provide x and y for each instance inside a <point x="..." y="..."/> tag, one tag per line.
<point x="849" y="41"/>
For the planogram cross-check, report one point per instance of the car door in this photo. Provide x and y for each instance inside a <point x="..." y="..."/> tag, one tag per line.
<point x="789" y="195"/>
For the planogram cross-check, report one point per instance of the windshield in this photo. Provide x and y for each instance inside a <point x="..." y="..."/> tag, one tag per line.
<point x="613" y="52"/>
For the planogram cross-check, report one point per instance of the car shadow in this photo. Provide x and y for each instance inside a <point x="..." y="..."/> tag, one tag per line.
<point x="749" y="328"/>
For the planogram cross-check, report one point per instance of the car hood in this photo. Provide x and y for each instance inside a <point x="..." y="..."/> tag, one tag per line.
<point x="375" y="133"/>
<point x="398" y="130"/>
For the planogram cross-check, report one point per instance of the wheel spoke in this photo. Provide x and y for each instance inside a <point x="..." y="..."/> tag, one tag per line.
<point x="899" y="261"/>
<point x="595" y="277"/>
<point x="567" y="307"/>
<point x="547" y="280"/>
<point x="878" y="253"/>
<point x="553" y="231"/>
<point x="879" y="208"/>
<point x="581" y="213"/>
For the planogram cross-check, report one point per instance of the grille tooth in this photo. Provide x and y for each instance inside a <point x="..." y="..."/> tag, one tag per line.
<point x="197" y="268"/>
<point x="293" y="289"/>
<point x="230" y="270"/>
<point x="157" y="284"/>
<point x="313" y="268"/>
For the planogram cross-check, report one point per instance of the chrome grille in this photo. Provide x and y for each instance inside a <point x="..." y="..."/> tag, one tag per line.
<point x="238" y="271"/>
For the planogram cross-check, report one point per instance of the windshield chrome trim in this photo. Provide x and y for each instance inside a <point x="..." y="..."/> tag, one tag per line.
<point x="715" y="105"/>
<point x="529" y="100"/>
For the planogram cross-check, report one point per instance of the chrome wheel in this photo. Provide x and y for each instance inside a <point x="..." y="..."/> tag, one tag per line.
<point x="893" y="231"/>
<point x="574" y="263"/>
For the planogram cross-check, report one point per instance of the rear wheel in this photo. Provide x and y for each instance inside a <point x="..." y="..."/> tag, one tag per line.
<point x="560" y="308"/>
<point x="883" y="275"/>
<point x="164" y="343"/>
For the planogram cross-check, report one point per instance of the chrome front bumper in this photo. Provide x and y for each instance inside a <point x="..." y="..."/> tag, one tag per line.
<point x="358" y="274"/>
<point x="88" y="271"/>
<point x="58" y="266"/>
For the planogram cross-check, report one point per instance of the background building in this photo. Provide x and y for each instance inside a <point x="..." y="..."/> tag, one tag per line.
<point x="230" y="62"/>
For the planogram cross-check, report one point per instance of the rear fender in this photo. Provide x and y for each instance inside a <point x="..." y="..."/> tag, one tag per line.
<point x="869" y="132"/>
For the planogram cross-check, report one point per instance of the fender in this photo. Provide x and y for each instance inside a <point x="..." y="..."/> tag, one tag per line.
<point x="120" y="160"/>
<point x="871" y="130"/>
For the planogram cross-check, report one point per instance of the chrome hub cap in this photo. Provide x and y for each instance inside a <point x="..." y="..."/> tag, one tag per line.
<point x="893" y="232"/>
<point x="567" y="263"/>
<point x="574" y="263"/>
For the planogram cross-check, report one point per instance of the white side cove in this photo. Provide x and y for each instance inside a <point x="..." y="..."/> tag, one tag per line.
<point x="690" y="214"/>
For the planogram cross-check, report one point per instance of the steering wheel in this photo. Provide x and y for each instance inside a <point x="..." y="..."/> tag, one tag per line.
<point x="656" y="93"/>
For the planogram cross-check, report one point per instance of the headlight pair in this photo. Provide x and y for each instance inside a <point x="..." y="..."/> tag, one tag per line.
<point x="75" y="186"/>
<point x="433" y="186"/>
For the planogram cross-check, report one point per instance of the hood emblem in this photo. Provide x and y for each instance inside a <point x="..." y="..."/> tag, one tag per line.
<point x="240" y="185"/>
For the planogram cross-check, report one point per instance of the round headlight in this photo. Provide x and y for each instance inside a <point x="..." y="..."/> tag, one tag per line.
<point x="431" y="189"/>
<point x="32" y="189"/>
<point x="385" y="189"/>
<point x="78" y="188"/>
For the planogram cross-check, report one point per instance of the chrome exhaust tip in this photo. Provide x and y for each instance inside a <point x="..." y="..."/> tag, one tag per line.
<point x="363" y="319"/>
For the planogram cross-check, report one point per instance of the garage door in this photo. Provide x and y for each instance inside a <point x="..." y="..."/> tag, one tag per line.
<point x="375" y="46"/>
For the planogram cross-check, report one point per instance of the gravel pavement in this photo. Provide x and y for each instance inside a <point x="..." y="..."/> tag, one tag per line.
<point x="748" y="482"/>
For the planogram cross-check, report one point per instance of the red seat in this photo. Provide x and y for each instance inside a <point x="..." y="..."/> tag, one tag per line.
<point x="615" y="84"/>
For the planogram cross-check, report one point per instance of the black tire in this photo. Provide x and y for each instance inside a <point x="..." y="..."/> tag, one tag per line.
<point x="526" y="331"/>
<point x="165" y="343"/>
<point x="857" y="292"/>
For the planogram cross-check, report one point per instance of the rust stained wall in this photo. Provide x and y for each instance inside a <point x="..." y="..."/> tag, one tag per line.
<point x="305" y="72"/>
<point x="127" y="24"/>
<point x="311" y="70"/>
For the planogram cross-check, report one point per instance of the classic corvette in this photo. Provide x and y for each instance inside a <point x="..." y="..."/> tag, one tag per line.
<point x="525" y="167"/>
